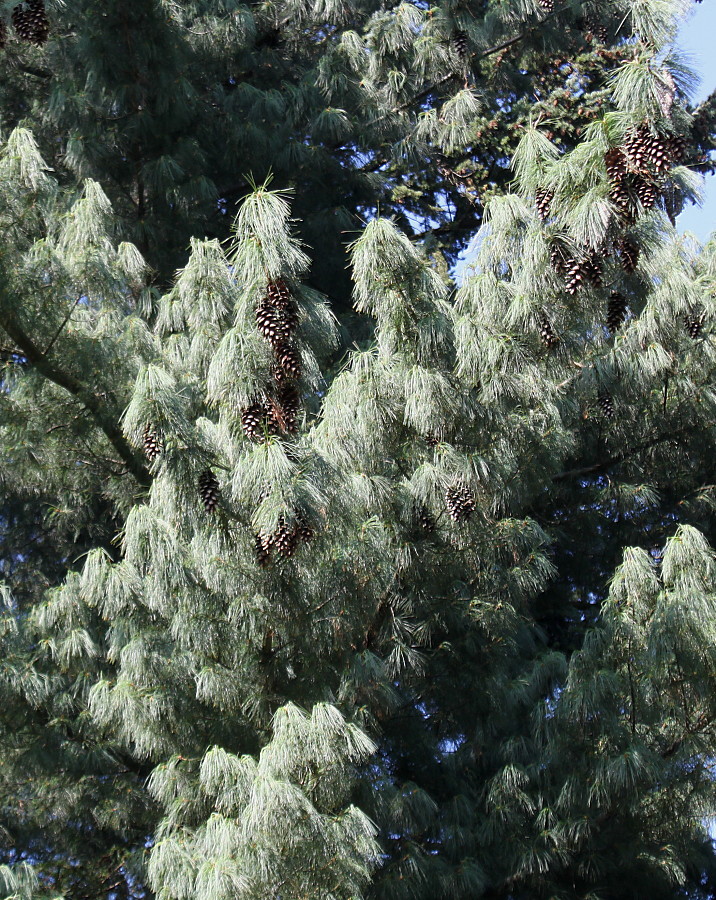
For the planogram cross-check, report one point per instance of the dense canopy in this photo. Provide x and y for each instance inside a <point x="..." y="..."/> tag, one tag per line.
<point x="332" y="570"/>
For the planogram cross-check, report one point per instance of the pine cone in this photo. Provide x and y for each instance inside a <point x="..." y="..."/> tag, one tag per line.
<point x="278" y="294"/>
<point x="3" y="34"/>
<point x="593" y="268"/>
<point x="616" y="163"/>
<point x="460" y="502"/>
<point x="30" y="22"/>
<point x="258" y="420"/>
<point x="460" y="42"/>
<point x="559" y="258"/>
<point x="288" y="400"/>
<point x="637" y="146"/>
<point x="616" y="311"/>
<point x="678" y="148"/>
<point x="546" y="333"/>
<point x="152" y="443"/>
<point x="252" y="421"/>
<point x="547" y="5"/>
<point x="629" y="253"/>
<point x="543" y="198"/>
<point x="424" y="519"/>
<point x="694" y="324"/>
<point x="621" y="197"/>
<point x="646" y="191"/>
<point x="661" y="153"/>
<point x="582" y="269"/>
<point x="274" y="323"/>
<point x="209" y="490"/>
<point x="288" y="362"/>
<point x="606" y="404"/>
<point x="304" y="530"/>
<point x="596" y="29"/>
<point x="263" y="544"/>
<point x="285" y="538"/>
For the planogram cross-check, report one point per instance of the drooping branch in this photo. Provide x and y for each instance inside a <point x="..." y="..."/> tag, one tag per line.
<point x="102" y="416"/>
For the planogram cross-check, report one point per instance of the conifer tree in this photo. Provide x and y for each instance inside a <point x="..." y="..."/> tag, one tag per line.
<point x="434" y="618"/>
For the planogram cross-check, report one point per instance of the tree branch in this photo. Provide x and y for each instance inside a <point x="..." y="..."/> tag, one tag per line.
<point x="421" y="95"/>
<point x="87" y="398"/>
<point x="59" y="330"/>
<point x="605" y="464"/>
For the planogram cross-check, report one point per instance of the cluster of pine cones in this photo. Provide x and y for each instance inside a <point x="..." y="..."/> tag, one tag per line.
<point x="284" y="540"/>
<point x="637" y="169"/>
<point x="277" y="410"/>
<point x="275" y="413"/>
<point x="30" y="22"/>
<point x="636" y="172"/>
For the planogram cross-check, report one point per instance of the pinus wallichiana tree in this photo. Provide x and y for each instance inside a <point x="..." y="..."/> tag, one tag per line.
<point x="437" y="624"/>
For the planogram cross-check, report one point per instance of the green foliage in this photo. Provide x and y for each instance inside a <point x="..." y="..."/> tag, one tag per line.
<point x="431" y="619"/>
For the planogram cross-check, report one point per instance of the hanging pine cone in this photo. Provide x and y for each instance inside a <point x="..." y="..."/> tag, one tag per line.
<point x="278" y="294"/>
<point x="460" y="502"/>
<point x="646" y="191"/>
<point x="285" y="538"/>
<point x="30" y="22"/>
<point x="592" y="266"/>
<point x="616" y="311"/>
<point x="579" y="270"/>
<point x="673" y="201"/>
<point x="460" y="42"/>
<point x="596" y="29"/>
<point x="694" y="324"/>
<point x="252" y="420"/>
<point x="546" y="333"/>
<point x="152" y="443"/>
<point x="209" y="490"/>
<point x="629" y="253"/>
<point x="258" y="420"/>
<point x="263" y="544"/>
<point x="288" y="400"/>
<point x="606" y="404"/>
<point x="661" y="153"/>
<point x="3" y="34"/>
<point x="425" y="521"/>
<point x="678" y="148"/>
<point x="621" y="196"/>
<point x="288" y="362"/>
<point x="559" y="258"/>
<point x="616" y="163"/>
<point x="637" y="145"/>
<point x="303" y="529"/>
<point x="543" y="198"/>
<point x="274" y="323"/>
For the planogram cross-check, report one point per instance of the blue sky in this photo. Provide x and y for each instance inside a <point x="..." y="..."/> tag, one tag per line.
<point x="698" y="41"/>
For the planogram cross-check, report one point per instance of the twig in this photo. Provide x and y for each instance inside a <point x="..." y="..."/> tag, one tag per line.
<point x="65" y="321"/>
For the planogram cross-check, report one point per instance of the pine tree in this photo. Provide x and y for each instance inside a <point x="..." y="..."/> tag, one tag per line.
<point x="433" y="617"/>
